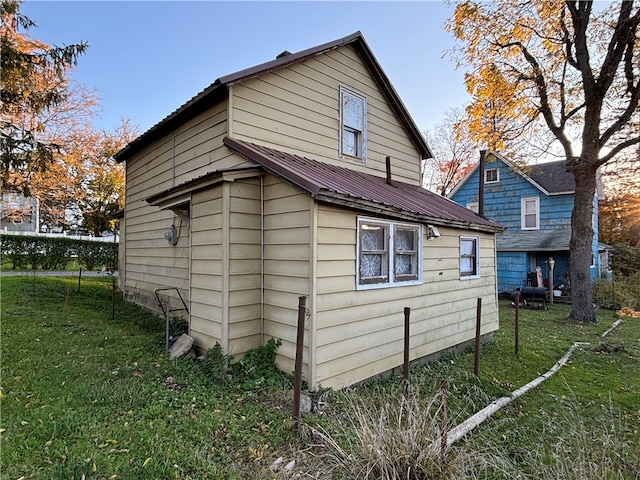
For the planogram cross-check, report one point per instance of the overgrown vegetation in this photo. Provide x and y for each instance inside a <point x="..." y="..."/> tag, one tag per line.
<point x="56" y="253"/>
<point x="618" y="293"/>
<point x="85" y="397"/>
<point x="623" y="290"/>
<point x="255" y="370"/>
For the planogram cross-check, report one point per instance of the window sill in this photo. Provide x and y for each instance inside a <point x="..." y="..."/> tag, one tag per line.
<point x="376" y="286"/>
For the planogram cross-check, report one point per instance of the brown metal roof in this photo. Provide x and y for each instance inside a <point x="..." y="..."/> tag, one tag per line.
<point x="361" y="191"/>
<point x="217" y="92"/>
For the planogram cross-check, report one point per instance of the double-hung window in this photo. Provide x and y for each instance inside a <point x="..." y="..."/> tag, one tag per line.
<point x="530" y="208"/>
<point x="491" y="175"/>
<point x="353" y="124"/>
<point x="469" y="258"/>
<point x="388" y="253"/>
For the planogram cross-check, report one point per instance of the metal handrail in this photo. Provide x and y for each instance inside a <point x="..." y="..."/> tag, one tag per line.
<point x="168" y="311"/>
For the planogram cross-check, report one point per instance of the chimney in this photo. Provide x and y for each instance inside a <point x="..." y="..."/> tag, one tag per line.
<point x="481" y="184"/>
<point x="389" y="170"/>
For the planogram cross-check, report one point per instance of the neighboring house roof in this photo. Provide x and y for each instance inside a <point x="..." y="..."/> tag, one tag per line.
<point x="361" y="191"/>
<point x="551" y="178"/>
<point x="217" y="92"/>
<point x="533" y="240"/>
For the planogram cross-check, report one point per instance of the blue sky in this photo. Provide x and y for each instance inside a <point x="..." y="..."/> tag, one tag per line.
<point x="147" y="58"/>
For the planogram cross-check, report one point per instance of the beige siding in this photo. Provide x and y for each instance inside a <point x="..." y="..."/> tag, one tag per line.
<point x="207" y="270"/>
<point x="360" y="333"/>
<point x="287" y="265"/>
<point x="296" y="109"/>
<point x="244" y="265"/>
<point x="190" y="151"/>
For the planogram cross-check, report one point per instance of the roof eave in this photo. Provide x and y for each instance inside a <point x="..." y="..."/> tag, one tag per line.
<point x="212" y="95"/>
<point x="367" y="206"/>
<point x="218" y="91"/>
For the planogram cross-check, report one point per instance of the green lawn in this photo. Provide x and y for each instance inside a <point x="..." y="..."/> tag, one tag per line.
<point x="85" y="396"/>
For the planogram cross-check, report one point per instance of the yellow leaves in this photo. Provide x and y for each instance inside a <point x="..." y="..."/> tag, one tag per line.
<point x="257" y="453"/>
<point x="146" y="462"/>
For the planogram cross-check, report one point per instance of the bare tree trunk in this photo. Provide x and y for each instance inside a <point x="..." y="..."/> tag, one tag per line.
<point x="580" y="247"/>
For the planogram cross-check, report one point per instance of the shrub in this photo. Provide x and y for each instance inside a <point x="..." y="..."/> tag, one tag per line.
<point x="626" y="260"/>
<point x="255" y="370"/>
<point x="50" y="253"/>
<point x="619" y="293"/>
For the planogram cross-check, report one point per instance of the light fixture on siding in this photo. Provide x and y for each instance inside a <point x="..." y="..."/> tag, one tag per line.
<point x="432" y="232"/>
<point x="171" y="235"/>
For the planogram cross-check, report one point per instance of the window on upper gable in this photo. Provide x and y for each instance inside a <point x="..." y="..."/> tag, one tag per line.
<point x="353" y="124"/>
<point x="491" y="175"/>
<point x="469" y="258"/>
<point x="530" y="210"/>
<point x="389" y="254"/>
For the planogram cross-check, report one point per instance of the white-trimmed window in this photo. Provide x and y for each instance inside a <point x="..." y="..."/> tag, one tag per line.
<point x="530" y="208"/>
<point x="389" y="254"/>
<point x="491" y="175"/>
<point x="469" y="257"/>
<point x="353" y="124"/>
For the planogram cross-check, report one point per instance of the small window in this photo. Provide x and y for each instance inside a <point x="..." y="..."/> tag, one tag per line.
<point x="374" y="253"/>
<point x="492" y="175"/>
<point x="469" y="257"/>
<point x="406" y="253"/>
<point x="388" y="253"/>
<point x="530" y="213"/>
<point x="353" y="124"/>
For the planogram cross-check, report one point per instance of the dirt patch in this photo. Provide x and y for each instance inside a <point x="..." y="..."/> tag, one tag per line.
<point x="608" y="348"/>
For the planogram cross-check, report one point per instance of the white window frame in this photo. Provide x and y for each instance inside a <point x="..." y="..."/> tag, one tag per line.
<point x="389" y="277"/>
<point x="473" y="206"/>
<point x="465" y="275"/>
<point x="523" y="213"/>
<point x="497" y="170"/>
<point x="360" y="131"/>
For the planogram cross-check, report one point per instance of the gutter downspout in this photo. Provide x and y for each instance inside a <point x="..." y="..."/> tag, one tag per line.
<point x="481" y="184"/>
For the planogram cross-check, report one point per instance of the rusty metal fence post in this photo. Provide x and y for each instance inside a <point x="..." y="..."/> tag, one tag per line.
<point x="297" y="384"/>
<point x="476" y="362"/>
<point x="405" y="369"/>
<point x="517" y="322"/>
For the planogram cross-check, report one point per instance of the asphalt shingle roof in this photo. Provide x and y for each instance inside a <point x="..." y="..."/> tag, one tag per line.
<point x="533" y="240"/>
<point x="553" y="177"/>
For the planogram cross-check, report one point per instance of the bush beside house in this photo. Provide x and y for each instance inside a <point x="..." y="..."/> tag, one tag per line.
<point x="53" y="253"/>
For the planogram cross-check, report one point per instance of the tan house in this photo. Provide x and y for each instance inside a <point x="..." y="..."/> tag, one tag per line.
<point x="273" y="183"/>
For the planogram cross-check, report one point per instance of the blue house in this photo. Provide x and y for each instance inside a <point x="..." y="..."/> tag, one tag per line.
<point x="534" y="203"/>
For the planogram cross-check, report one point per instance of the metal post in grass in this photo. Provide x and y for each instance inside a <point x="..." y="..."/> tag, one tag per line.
<point x="476" y="362"/>
<point x="113" y="299"/>
<point x="405" y="369"/>
<point x="517" y="321"/>
<point x="297" y="384"/>
<point x="79" y="278"/>
<point x="444" y="390"/>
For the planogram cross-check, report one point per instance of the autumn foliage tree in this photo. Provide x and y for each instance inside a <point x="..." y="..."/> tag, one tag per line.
<point x="453" y="153"/>
<point x="50" y="150"/>
<point x="568" y="69"/>
<point x="34" y="80"/>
